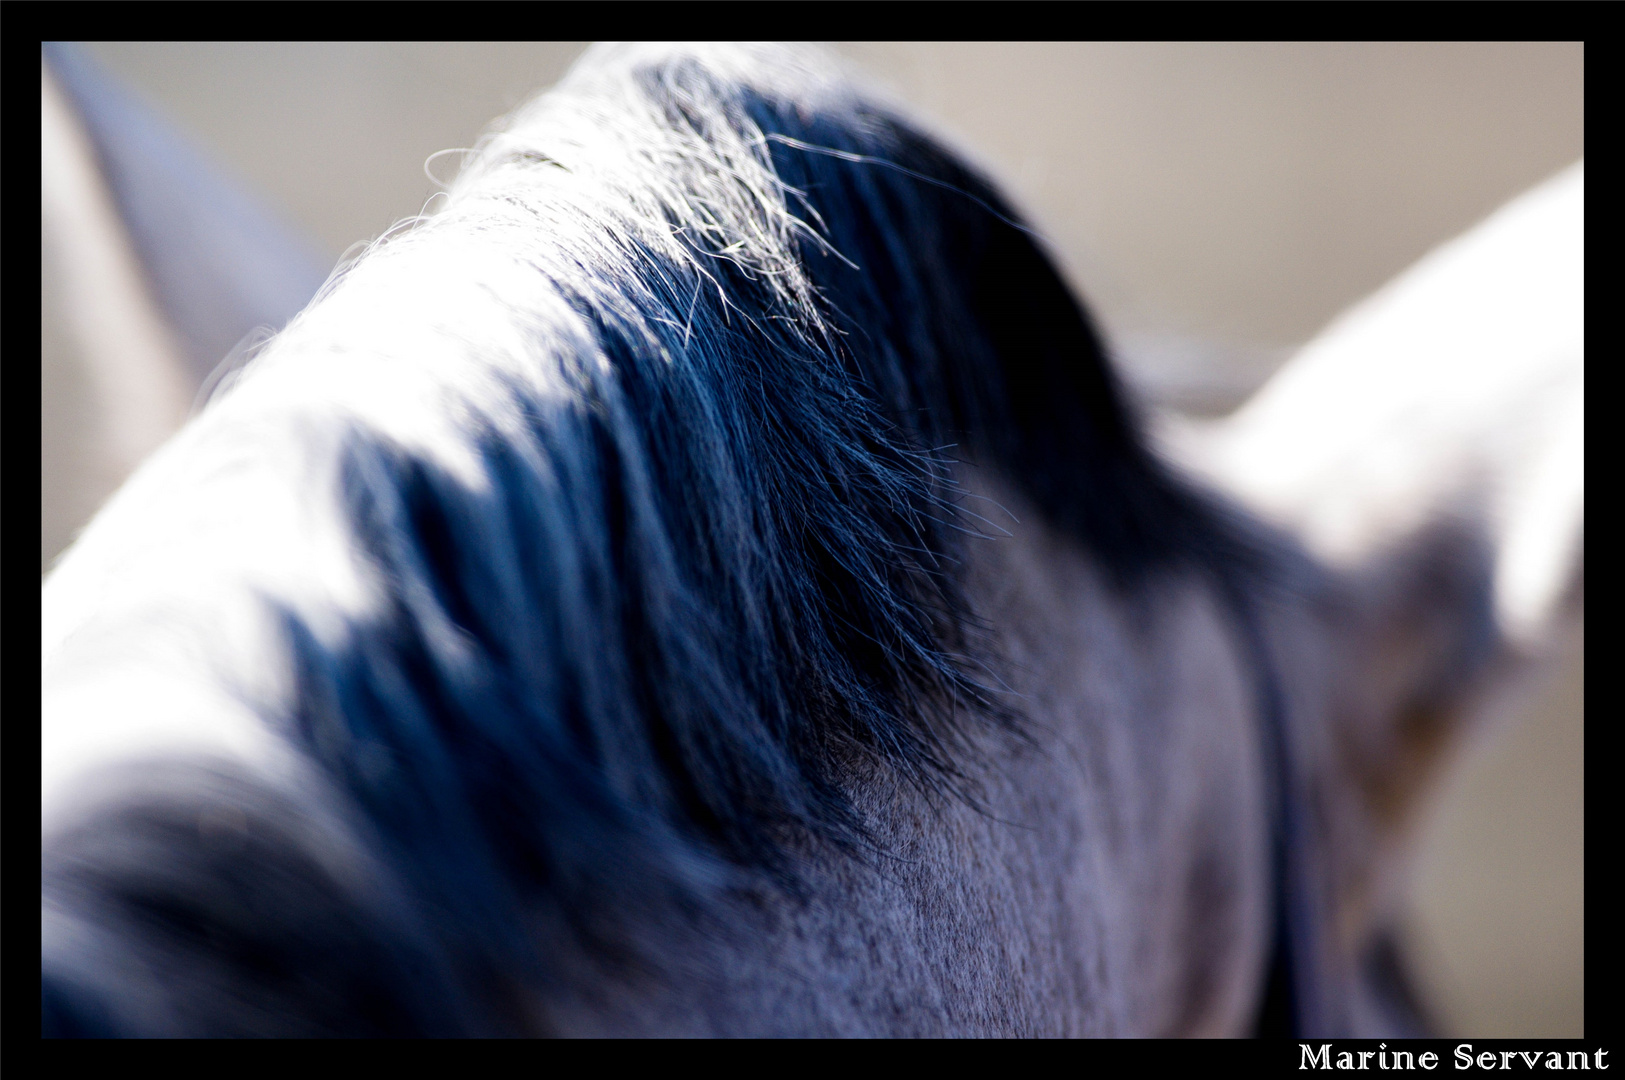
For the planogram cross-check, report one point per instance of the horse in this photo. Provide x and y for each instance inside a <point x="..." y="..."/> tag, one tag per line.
<point x="707" y="578"/>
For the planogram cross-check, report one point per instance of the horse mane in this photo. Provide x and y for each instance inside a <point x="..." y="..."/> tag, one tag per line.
<point x="644" y="448"/>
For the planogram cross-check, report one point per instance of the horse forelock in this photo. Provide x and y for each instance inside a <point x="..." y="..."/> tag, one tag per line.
<point x="645" y="446"/>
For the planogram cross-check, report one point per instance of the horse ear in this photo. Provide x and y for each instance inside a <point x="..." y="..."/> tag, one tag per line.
<point x="216" y="259"/>
<point x="1455" y="394"/>
<point x="155" y="266"/>
<point x="114" y="379"/>
<point x="1429" y="448"/>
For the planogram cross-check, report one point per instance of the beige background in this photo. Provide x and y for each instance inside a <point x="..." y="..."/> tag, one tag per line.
<point x="1217" y="204"/>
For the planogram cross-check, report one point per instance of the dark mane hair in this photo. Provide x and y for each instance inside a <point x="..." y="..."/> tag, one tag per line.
<point x="665" y="543"/>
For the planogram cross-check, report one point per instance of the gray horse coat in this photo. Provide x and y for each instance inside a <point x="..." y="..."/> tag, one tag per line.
<point x="705" y="579"/>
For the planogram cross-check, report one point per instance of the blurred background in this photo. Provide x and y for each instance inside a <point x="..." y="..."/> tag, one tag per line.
<point x="1215" y="204"/>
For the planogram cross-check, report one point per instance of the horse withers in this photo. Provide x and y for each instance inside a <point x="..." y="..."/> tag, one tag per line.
<point x="706" y="579"/>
